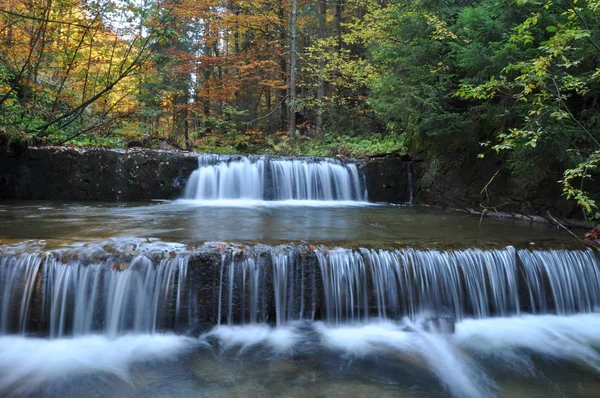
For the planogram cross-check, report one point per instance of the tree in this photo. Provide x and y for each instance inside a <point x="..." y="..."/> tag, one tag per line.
<point x="455" y="76"/>
<point x="551" y="85"/>
<point x="293" y="62"/>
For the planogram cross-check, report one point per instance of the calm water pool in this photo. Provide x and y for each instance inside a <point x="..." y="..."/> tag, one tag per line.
<point x="189" y="221"/>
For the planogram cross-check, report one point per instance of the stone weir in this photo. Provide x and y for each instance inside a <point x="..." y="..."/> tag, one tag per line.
<point x="117" y="287"/>
<point x="60" y="173"/>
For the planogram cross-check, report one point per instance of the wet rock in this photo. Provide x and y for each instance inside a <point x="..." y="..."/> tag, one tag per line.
<point x="487" y="185"/>
<point x="60" y="173"/>
<point x="437" y="324"/>
<point x="389" y="179"/>
<point x="441" y="324"/>
<point x="64" y="173"/>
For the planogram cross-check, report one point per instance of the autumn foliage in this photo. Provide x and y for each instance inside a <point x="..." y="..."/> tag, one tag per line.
<point x="102" y="71"/>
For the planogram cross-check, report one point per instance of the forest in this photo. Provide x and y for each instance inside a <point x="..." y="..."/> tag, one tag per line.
<point x="514" y="79"/>
<point x="300" y="198"/>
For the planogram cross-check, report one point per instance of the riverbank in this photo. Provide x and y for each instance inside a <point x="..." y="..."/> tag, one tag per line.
<point x="135" y="174"/>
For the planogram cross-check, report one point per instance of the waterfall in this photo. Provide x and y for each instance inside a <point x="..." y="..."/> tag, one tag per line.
<point x="568" y="281"/>
<point x="78" y="292"/>
<point x="459" y="284"/>
<point x="263" y="178"/>
<point x="344" y="285"/>
<point x="17" y="279"/>
<point x="257" y="286"/>
<point x="391" y="285"/>
<point x="73" y="297"/>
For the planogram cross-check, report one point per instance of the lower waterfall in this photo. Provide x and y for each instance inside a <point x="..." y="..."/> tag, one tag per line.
<point x="75" y="293"/>
<point x="426" y="315"/>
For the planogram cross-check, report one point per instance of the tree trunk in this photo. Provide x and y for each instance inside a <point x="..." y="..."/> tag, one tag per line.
<point x="206" y="105"/>
<point x="283" y="66"/>
<point x="321" y="90"/>
<point x="186" y="128"/>
<point x="293" y="61"/>
<point x="337" y="22"/>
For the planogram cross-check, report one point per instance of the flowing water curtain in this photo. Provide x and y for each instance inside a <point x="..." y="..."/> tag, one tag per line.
<point x="75" y="293"/>
<point x="265" y="286"/>
<point x="18" y="275"/>
<point x="288" y="286"/>
<point x="416" y="283"/>
<point x="294" y="284"/>
<point x="275" y="179"/>
<point x="458" y="284"/>
<point x="386" y="278"/>
<point x="322" y="180"/>
<point x="241" y="179"/>
<point x="561" y="281"/>
<point x="345" y="286"/>
<point x="74" y="297"/>
<point x="243" y="280"/>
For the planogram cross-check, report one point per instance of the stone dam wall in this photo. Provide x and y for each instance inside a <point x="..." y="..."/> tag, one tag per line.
<point x="171" y="287"/>
<point x="60" y="173"/>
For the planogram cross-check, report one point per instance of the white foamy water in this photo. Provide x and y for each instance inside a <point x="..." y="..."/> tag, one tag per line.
<point x="513" y="341"/>
<point x="28" y="363"/>
<point x="279" y="339"/>
<point x="431" y="351"/>
<point x="274" y="203"/>
<point x="574" y="338"/>
<point x="458" y="360"/>
<point x="218" y="178"/>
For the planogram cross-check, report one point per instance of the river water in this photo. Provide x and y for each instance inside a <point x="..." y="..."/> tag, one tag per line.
<point x="532" y="356"/>
<point x="275" y="278"/>
<point x="357" y="223"/>
<point x="555" y="354"/>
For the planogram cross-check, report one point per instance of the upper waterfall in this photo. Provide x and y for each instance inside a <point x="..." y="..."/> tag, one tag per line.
<point x="276" y="179"/>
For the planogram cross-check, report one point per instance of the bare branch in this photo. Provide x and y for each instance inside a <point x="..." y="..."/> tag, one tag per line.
<point x="45" y="20"/>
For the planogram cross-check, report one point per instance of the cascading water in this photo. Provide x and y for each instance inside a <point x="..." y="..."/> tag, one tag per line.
<point x="114" y="295"/>
<point x="459" y="284"/>
<point x="297" y="297"/>
<point x="226" y="178"/>
<point x="17" y="278"/>
<point x="81" y="293"/>
<point x="342" y="322"/>
<point x="568" y="281"/>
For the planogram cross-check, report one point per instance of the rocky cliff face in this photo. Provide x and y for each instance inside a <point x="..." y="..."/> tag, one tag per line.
<point x="60" y="173"/>
<point x="486" y="185"/>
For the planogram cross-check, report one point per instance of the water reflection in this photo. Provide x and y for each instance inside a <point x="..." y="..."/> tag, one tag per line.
<point x="194" y="221"/>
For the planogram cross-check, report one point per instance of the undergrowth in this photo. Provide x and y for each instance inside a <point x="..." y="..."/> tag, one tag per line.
<point x="250" y="142"/>
<point x="255" y="142"/>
